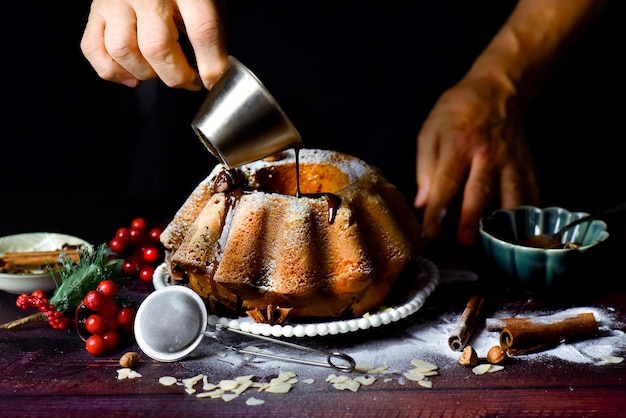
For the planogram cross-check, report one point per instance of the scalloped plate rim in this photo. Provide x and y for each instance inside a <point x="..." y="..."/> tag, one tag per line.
<point x="383" y="317"/>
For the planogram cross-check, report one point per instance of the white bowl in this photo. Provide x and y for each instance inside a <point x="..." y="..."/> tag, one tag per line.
<point x="18" y="283"/>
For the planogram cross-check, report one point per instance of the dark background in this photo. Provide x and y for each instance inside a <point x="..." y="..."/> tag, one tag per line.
<point x="85" y="156"/>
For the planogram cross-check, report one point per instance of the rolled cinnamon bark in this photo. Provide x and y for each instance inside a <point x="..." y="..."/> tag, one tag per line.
<point x="527" y="335"/>
<point x="464" y="329"/>
<point x="39" y="258"/>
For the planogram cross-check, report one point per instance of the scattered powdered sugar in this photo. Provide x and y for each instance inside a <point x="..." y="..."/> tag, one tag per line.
<point x="433" y="338"/>
<point x="610" y="341"/>
<point x="394" y="346"/>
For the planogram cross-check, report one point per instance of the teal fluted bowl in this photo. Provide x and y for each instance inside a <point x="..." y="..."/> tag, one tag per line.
<point x="503" y="232"/>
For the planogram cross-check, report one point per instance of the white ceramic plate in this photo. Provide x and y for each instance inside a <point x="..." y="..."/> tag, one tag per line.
<point x="36" y="241"/>
<point x="428" y="278"/>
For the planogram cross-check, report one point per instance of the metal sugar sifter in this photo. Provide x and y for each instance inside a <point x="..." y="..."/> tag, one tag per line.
<point x="172" y="321"/>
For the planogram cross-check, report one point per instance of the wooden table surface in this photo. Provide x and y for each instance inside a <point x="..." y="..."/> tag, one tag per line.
<point x="45" y="372"/>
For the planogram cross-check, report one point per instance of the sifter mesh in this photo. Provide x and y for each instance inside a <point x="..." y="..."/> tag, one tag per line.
<point x="170" y="322"/>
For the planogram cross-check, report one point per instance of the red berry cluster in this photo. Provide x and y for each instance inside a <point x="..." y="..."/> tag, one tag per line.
<point x="38" y="300"/>
<point x="102" y="319"/>
<point x="140" y="248"/>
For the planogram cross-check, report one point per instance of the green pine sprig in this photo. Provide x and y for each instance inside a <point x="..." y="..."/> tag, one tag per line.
<point x="78" y="279"/>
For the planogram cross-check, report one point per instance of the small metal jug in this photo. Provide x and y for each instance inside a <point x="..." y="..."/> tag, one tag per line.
<point x="240" y="122"/>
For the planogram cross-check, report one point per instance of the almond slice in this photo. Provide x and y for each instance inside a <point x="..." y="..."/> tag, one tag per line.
<point x="227" y="397"/>
<point x="415" y="377"/>
<point x="425" y="383"/>
<point x="207" y="387"/>
<point x="254" y="401"/>
<point x="133" y="374"/>
<point x="191" y="381"/>
<point x="495" y="368"/>
<point x="284" y="376"/>
<point x="377" y="369"/>
<point x="167" y="380"/>
<point x="243" y="386"/>
<point x="123" y="373"/>
<point x="217" y="393"/>
<point x="422" y="364"/>
<point x="349" y="384"/>
<point x="612" y="359"/>
<point x="279" y="388"/>
<point x="340" y="379"/>
<point x="481" y="369"/>
<point x="363" y="367"/>
<point x="365" y="381"/>
<point x="228" y="384"/>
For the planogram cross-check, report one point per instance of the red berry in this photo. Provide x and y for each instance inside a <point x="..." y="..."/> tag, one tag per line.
<point x="139" y="223"/>
<point x="95" y="324"/>
<point x="94" y="300"/>
<point x="96" y="345"/>
<point x="22" y="301"/>
<point x="39" y="294"/>
<point x="136" y="235"/>
<point x="112" y="324"/>
<point x="145" y="273"/>
<point x="56" y="319"/>
<point x="130" y="266"/>
<point x="64" y="323"/>
<point x="111" y="340"/>
<point x="107" y="288"/>
<point x="125" y="318"/>
<point x="38" y="300"/>
<point x="150" y="254"/>
<point x="108" y="309"/>
<point x="116" y="245"/>
<point x="123" y="234"/>
<point x="155" y="235"/>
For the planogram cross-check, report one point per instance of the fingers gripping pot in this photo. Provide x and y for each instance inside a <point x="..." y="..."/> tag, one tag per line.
<point x="240" y="122"/>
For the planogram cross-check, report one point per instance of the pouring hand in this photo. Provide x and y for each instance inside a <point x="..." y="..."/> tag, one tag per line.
<point x="127" y="41"/>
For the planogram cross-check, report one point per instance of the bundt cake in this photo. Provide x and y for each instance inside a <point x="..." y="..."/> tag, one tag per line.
<point x="249" y="239"/>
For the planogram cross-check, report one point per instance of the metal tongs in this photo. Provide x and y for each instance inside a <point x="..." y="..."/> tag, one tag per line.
<point x="331" y="357"/>
<point x="173" y="337"/>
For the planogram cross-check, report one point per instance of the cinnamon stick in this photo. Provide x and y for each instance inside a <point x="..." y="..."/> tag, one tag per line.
<point x="464" y="329"/>
<point x="39" y="258"/>
<point x="527" y="335"/>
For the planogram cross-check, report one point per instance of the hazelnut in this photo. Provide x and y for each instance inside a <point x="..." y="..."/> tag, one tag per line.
<point x="496" y="355"/>
<point x="468" y="357"/>
<point x="130" y="360"/>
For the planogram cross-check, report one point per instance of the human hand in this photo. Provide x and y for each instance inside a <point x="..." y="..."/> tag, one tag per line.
<point x="127" y="41"/>
<point x="473" y="143"/>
